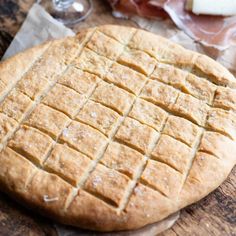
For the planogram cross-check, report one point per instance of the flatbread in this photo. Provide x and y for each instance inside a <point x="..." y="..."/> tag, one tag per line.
<point x="115" y="128"/>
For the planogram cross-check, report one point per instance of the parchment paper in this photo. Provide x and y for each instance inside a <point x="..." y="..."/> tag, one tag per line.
<point x="39" y="26"/>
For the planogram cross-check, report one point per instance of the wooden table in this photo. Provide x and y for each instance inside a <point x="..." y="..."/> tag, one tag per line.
<point x="214" y="215"/>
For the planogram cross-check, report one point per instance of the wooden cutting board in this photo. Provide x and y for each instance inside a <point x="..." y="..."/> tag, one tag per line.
<point x="214" y="215"/>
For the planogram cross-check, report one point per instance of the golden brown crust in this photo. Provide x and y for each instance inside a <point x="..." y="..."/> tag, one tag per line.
<point x="114" y="128"/>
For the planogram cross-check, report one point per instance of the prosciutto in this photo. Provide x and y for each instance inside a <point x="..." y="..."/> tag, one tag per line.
<point x="213" y="31"/>
<point x="145" y="8"/>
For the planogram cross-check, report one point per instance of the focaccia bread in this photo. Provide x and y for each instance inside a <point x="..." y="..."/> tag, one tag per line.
<point x="115" y="128"/>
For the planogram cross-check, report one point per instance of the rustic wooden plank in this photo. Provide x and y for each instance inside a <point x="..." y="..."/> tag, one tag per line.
<point x="214" y="215"/>
<point x="5" y="40"/>
<point x="18" y="221"/>
<point x="101" y="15"/>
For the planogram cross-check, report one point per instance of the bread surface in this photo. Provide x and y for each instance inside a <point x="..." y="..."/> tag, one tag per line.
<point x="115" y="128"/>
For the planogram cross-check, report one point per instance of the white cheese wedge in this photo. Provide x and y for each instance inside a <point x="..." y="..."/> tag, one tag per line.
<point x="212" y="7"/>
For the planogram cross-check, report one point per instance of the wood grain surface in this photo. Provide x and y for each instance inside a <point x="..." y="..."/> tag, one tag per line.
<point x="214" y="215"/>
